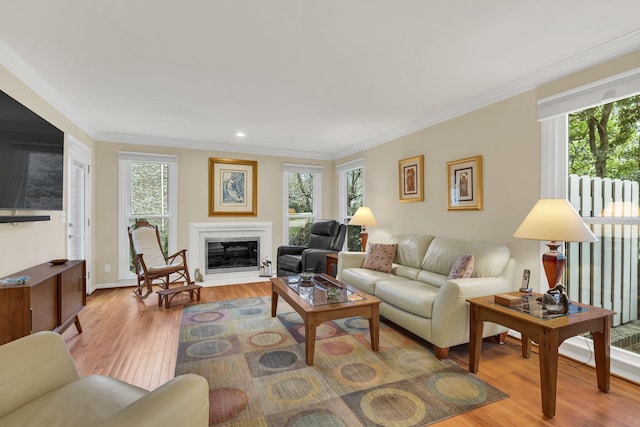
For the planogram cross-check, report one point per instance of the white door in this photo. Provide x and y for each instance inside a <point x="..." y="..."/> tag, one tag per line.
<point x="79" y="206"/>
<point x="76" y="219"/>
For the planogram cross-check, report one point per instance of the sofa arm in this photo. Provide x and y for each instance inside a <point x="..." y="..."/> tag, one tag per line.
<point x="349" y="260"/>
<point x="32" y="366"/>
<point x="450" y="317"/>
<point x="183" y="401"/>
<point x="482" y="286"/>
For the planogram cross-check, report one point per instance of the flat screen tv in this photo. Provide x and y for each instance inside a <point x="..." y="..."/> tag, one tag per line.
<point x="31" y="159"/>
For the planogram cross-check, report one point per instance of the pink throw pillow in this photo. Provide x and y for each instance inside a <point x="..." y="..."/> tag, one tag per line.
<point x="462" y="268"/>
<point x="380" y="257"/>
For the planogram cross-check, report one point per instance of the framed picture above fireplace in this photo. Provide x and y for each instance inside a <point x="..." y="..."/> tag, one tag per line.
<point x="233" y="187"/>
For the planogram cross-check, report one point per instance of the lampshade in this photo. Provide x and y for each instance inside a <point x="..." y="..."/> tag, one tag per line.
<point x="554" y="220"/>
<point x="363" y="216"/>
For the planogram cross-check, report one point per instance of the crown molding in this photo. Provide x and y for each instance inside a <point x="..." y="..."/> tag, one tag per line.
<point x="12" y="62"/>
<point x="597" y="55"/>
<point x="208" y="146"/>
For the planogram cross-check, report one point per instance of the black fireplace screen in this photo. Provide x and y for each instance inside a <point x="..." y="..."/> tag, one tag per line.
<point x="231" y="255"/>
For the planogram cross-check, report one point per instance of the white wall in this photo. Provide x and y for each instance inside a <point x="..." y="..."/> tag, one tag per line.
<point x="31" y="243"/>
<point x="506" y="134"/>
<point x="192" y="196"/>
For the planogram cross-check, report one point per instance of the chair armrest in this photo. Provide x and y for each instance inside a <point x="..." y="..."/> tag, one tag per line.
<point x="183" y="401"/>
<point x="181" y="253"/>
<point x="315" y="260"/>
<point x="291" y="250"/>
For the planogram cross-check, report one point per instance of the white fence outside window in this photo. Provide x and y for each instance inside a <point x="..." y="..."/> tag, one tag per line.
<point x="605" y="273"/>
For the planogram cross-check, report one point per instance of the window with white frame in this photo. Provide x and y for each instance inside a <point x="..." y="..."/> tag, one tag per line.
<point x="147" y="190"/>
<point x="303" y="203"/>
<point x="350" y="198"/>
<point x="604" y="273"/>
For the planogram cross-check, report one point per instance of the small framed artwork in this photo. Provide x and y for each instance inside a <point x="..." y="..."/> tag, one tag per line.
<point x="464" y="179"/>
<point x="411" y="179"/>
<point x="233" y="187"/>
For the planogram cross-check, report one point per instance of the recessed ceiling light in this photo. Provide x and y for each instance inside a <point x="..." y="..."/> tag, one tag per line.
<point x="240" y="134"/>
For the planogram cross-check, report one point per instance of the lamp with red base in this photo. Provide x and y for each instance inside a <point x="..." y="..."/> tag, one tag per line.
<point x="556" y="221"/>
<point x="363" y="217"/>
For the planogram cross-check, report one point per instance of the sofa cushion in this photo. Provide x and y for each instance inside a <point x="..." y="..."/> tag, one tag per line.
<point x="432" y="278"/>
<point x="406" y="271"/>
<point x="364" y="279"/>
<point x="462" y="268"/>
<point x="410" y="295"/>
<point x="490" y="259"/>
<point x="85" y="402"/>
<point x="380" y="257"/>
<point x="411" y="248"/>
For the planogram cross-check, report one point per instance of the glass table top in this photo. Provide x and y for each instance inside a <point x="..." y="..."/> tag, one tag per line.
<point x="529" y="305"/>
<point x="321" y="290"/>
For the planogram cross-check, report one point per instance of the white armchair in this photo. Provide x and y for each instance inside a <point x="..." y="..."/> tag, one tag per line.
<point x="40" y="386"/>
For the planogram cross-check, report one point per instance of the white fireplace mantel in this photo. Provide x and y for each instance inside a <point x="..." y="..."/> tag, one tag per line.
<point x="199" y="232"/>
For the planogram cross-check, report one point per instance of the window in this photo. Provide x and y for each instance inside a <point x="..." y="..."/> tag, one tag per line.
<point x="351" y="197"/>
<point x="590" y="156"/>
<point x="603" y="183"/>
<point x="147" y="185"/>
<point x="303" y="187"/>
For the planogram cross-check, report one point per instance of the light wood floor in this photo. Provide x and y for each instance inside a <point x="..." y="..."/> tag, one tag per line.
<point x="136" y="341"/>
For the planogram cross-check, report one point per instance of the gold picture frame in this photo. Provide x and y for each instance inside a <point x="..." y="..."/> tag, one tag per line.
<point x="411" y="179"/>
<point x="464" y="178"/>
<point x="233" y="187"/>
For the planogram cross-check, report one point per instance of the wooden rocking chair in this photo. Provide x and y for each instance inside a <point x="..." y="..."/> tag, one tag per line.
<point x="152" y="265"/>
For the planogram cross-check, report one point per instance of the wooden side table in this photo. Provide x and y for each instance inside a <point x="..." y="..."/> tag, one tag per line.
<point x="332" y="259"/>
<point x="549" y="334"/>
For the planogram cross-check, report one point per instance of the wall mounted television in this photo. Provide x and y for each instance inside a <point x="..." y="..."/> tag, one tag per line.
<point x="31" y="159"/>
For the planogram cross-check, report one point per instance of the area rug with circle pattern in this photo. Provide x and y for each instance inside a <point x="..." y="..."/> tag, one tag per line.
<point x="255" y="365"/>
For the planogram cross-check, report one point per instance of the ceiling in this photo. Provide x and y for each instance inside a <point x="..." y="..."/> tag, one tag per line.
<point x="314" y="79"/>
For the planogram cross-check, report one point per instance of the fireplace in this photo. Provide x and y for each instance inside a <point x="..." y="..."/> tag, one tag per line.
<point x="226" y="255"/>
<point x="232" y="232"/>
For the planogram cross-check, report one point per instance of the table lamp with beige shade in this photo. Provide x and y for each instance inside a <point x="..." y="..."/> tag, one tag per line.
<point x="363" y="217"/>
<point x="555" y="221"/>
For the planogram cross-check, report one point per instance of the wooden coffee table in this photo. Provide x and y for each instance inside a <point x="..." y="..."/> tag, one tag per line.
<point x="311" y="302"/>
<point x="549" y="333"/>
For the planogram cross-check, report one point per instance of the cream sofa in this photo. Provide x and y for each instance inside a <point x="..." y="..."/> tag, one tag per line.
<point x="40" y="386"/>
<point x="417" y="295"/>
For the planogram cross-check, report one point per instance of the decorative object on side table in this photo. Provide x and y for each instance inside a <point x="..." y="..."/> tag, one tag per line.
<point x="411" y="179"/>
<point x="556" y="221"/>
<point x="525" y="281"/>
<point x="363" y="217"/>
<point x="555" y="301"/>
<point x="465" y="184"/>
<point x="233" y="187"/>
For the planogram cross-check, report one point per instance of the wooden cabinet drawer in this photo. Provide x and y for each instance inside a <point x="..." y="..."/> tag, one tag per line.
<point x="44" y="305"/>
<point x="73" y="294"/>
